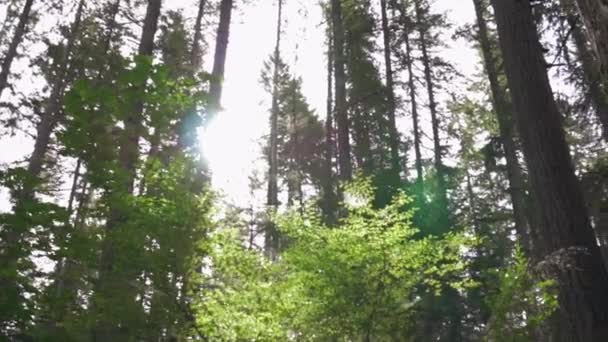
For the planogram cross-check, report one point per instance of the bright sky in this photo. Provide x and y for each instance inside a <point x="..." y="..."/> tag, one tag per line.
<point x="232" y="141"/>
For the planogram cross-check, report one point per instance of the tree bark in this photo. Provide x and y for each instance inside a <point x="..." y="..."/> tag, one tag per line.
<point x="570" y="251"/>
<point x="344" y="149"/>
<point x="502" y="107"/>
<point x="329" y="195"/>
<point x="272" y="198"/>
<point x="393" y="133"/>
<point x="219" y="62"/>
<point x="196" y="58"/>
<point x="11" y="53"/>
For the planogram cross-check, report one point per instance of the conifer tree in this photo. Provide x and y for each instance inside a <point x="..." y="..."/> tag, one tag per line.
<point x="564" y="225"/>
<point x="342" y="120"/>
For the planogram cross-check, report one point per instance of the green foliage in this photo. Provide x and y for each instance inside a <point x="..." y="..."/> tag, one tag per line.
<point x="521" y="304"/>
<point x="364" y="277"/>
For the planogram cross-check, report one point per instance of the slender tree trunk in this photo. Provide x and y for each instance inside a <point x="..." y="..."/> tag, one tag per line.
<point x="414" y="103"/>
<point x="502" y="107"/>
<point x="329" y="195"/>
<point x="571" y="254"/>
<point x="219" y="62"/>
<point x="11" y="53"/>
<point x="442" y="201"/>
<point x="344" y="149"/>
<point x="50" y="117"/>
<point x="196" y="58"/>
<point x="272" y="199"/>
<point x="393" y="133"/>
<point x="595" y="16"/>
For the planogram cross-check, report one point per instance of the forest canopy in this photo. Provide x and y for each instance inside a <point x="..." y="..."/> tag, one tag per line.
<point x="450" y="185"/>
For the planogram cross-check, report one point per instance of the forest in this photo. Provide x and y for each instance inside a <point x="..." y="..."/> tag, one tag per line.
<point x="432" y="194"/>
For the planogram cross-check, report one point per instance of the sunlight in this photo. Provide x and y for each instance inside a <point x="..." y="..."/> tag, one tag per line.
<point x="230" y="144"/>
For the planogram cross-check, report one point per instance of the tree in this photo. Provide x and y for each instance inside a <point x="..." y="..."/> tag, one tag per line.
<point x="272" y="198"/>
<point x="502" y="107"/>
<point x="564" y="224"/>
<point x="11" y="53"/>
<point x="595" y="16"/>
<point x="424" y="22"/>
<point x="219" y="61"/>
<point x="344" y="150"/>
<point x="127" y="159"/>
<point x="329" y="201"/>
<point x="196" y="54"/>
<point x="408" y="60"/>
<point x="593" y="79"/>
<point x="394" y="135"/>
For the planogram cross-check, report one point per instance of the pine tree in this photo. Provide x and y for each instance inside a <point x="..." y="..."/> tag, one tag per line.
<point x="424" y="22"/>
<point x="272" y="197"/>
<point x="502" y="107"/>
<point x="344" y="149"/>
<point x="392" y="126"/>
<point x="564" y="224"/>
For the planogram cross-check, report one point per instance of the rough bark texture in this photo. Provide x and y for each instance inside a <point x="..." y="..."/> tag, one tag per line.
<point x="570" y="251"/>
<point x="11" y="53"/>
<point x="272" y="197"/>
<point x="219" y="62"/>
<point x="344" y="149"/>
<point x="392" y="128"/>
<point x="502" y="107"/>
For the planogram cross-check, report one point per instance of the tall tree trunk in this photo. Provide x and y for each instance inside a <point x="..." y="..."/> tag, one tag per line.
<point x="11" y="53"/>
<point x="571" y="254"/>
<point x="413" y="99"/>
<point x="393" y="133"/>
<point x="595" y="16"/>
<point x="219" y="62"/>
<point x="196" y="57"/>
<point x="103" y="329"/>
<point x="344" y="149"/>
<point x="442" y="201"/>
<point x="590" y="65"/>
<point x="329" y="195"/>
<point x="272" y="198"/>
<point x="50" y="117"/>
<point x="502" y="107"/>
